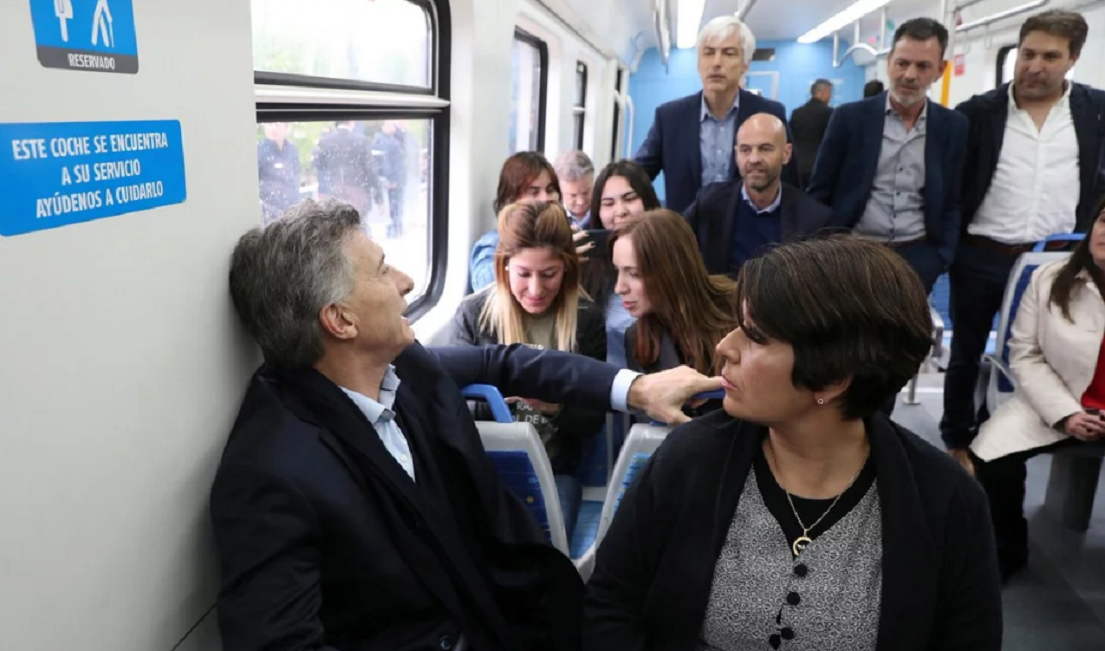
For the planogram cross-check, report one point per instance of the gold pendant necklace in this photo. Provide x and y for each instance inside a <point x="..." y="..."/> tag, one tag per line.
<point x="801" y="542"/>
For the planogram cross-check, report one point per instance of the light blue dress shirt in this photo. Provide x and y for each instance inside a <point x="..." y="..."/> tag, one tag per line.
<point x="759" y="211"/>
<point x="715" y="140"/>
<point x="382" y="418"/>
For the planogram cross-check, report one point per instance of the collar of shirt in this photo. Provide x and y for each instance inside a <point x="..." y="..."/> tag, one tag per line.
<point x="920" y="116"/>
<point x="377" y="411"/>
<point x="581" y="222"/>
<point x="705" y="111"/>
<point x="774" y="204"/>
<point x="1064" y="101"/>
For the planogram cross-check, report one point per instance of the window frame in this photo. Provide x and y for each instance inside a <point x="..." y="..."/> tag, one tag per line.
<point x="579" y="111"/>
<point x="542" y="81"/>
<point x="615" y="155"/>
<point x="999" y="74"/>
<point x="359" y="100"/>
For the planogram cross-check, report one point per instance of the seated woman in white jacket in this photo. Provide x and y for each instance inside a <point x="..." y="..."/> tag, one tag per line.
<point x="1057" y="357"/>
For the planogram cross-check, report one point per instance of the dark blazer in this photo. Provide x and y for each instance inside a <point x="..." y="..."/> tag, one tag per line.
<point x="846" y="164"/>
<point x="326" y="543"/>
<point x="809" y="122"/>
<point x="672" y="145"/>
<point x="714" y="212"/>
<point x="655" y="567"/>
<point x="987" y="114"/>
<point x="573" y="424"/>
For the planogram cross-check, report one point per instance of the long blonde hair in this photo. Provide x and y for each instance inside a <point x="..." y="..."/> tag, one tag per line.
<point x="532" y="225"/>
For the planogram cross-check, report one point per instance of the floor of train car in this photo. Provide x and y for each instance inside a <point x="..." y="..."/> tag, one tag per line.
<point x="1058" y="602"/>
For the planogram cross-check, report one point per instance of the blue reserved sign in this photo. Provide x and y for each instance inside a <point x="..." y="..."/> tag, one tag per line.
<point x="61" y="173"/>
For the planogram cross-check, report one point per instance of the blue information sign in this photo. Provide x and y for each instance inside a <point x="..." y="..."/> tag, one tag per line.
<point x="61" y="173"/>
<point x="93" y="35"/>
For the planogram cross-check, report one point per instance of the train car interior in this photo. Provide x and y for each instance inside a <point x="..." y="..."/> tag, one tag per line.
<point x="123" y="363"/>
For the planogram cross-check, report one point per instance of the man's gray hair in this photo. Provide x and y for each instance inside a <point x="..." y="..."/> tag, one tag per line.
<point x="283" y="275"/>
<point x="571" y="166"/>
<point x="722" y="28"/>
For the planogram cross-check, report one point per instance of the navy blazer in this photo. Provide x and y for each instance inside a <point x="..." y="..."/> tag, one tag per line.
<point x="844" y="173"/>
<point x="987" y="114"/>
<point x="714" y="212"/>
<point x="672" y="145"/>
<point x="326" y="543"/>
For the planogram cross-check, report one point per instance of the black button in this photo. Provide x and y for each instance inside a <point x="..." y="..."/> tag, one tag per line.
<point x="801" y="569"/>
<point x="793" y="599"/>
<point x="445" y="643"/>
<point x="788" y="633"/>
<point x="775" y="641"/>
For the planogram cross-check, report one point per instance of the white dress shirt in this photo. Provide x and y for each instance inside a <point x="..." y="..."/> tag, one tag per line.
<point x="382" y="418"/>
<point x="1036" y="186"/>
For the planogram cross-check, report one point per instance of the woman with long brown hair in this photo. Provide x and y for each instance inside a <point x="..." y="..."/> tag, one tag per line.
<point x="1057" y="357"/>
<point x="536" y="300"/>
<point x="525" y="176"/>
<point x="682" y="312"/>
<point x="622" y="190"/>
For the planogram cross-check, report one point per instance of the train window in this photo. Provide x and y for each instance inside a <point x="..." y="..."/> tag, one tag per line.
<point x="334" y="39"/>
<point x="579" y="110"/>
<point x="529" y="79"/>
<point x="378" y="166"/>
<point x="370" y="129"/>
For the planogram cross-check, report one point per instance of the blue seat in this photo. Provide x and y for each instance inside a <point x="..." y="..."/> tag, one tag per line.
<point x="1053" y="242"/>
<point x="519" y="458"/>
<point x="999" y="384"/>
<point x="638" y="448"/>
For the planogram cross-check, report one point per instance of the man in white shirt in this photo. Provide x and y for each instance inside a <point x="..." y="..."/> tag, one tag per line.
<point x="1034" y="159"/>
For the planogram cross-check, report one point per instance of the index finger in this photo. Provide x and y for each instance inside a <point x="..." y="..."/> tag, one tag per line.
<point x="678" y="418"/>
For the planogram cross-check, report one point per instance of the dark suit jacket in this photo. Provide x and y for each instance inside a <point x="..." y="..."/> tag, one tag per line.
<point x="987" y="115"/>
<point x="655" y="567"/>
<point x="809" y="122"/>
<point x="714" y="212"/>
<point x="849" y="156"/>
<point x="573" y="424"/>
<point x="672" y="145"/>
<point x="326" y="543"/>
<point x="346" y="170"/>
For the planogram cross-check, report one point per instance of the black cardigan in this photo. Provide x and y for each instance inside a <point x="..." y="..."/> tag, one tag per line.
<point x="573" y="423"/>
<point x="655" y="567"/>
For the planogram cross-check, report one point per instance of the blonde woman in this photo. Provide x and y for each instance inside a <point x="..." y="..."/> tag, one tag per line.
<point x="536" y="300"/>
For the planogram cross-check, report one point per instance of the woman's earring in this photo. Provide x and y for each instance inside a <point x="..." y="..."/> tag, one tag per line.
<point x="820" y="401"/>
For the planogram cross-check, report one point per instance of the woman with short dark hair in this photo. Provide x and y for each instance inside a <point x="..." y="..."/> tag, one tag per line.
<point x="800" y="517"/>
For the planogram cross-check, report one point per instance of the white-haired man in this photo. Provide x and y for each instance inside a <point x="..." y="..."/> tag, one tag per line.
<point x="354" y="507"/>
<point x="691" y="140"/>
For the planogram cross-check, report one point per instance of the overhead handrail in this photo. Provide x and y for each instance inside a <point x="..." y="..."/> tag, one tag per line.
<point x="1001" y="15"/>
<point x="1061" y="237"/>
<point x="494" y="399"/>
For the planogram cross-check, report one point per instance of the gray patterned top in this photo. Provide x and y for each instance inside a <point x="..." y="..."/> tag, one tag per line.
<point x="827" y="599"/>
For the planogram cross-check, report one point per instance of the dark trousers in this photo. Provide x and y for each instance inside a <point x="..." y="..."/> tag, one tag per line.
<point x="977" y="278"/>
<point x="929" y="264"/>
<point x="1003" y="479"/>
<point x="570" y="491"/>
